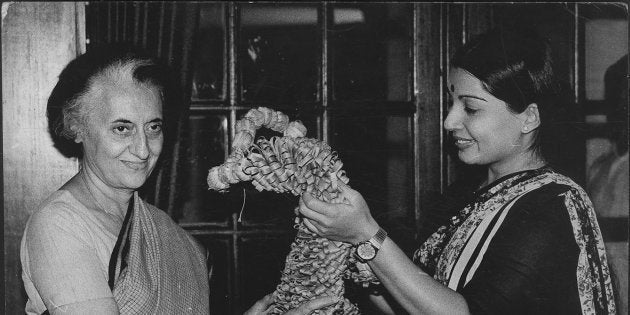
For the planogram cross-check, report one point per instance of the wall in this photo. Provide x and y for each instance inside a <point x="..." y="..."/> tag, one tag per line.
<point x="38" y="40"/>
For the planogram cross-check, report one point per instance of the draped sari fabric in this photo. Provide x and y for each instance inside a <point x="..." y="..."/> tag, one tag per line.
<point x="453" y="253"/>
<point x="156" y="267"/>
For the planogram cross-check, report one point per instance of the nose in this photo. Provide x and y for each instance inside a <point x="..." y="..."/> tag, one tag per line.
<point x="140" y="146"/>
<point x="453" y="119"/>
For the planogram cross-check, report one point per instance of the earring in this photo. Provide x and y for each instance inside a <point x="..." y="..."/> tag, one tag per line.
<point x="525" y="129"/>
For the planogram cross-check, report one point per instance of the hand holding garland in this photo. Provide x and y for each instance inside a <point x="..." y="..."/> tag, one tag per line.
<point x="351" y="222"/>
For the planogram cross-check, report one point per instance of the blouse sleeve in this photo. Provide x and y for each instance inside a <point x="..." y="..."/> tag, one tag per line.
<point x="62" y="263"/>
<point x="530" y="266"/>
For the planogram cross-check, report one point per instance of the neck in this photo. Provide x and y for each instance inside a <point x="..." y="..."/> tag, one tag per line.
<point x="108" y="199"/>
<point x="526" y="161"/>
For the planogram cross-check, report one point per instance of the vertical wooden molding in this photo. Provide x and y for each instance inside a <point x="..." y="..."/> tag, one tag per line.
<point x="427" y="59"/>
<point x="34" y="51"/>
<point x="325" y="17"/>
<point x="80" y="33"/>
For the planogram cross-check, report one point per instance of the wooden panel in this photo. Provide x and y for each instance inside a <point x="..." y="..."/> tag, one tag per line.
<point x="38" y="40"/>
<point x="428" y="118"/>
<point x="478" y="18"/>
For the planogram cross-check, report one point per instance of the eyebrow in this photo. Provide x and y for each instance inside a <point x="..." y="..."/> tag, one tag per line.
<point x="126" y="121"/>
<point x="471" y="96"/>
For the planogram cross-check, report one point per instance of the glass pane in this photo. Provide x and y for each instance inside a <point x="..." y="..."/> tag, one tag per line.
<point x="261" y="263"/>
<point x="279" y="52"/>
<point x="208" y="81"/>
<point x="206" y="145"/>
<point x="371" y="51"/>
<point x="221" y="261"/>
<point x="377" y="155"/>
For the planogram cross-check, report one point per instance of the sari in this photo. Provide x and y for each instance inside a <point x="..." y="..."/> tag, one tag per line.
<point x="156" y="267"/>
<point x="455" y="251"/>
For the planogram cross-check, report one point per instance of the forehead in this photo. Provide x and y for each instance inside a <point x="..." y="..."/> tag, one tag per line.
<point x="461" y="81"/>
<point x="129" y="101"/>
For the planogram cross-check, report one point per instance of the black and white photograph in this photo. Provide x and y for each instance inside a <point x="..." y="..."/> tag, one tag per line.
<point x="322" y="157"/>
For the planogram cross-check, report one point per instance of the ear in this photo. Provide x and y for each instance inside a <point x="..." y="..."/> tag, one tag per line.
<point x="531" y="118"/>
<point x="78" y="138"/>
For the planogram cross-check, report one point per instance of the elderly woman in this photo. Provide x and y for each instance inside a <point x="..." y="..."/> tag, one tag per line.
<point x="93" y="246"/>
<point x="525" y="239"/>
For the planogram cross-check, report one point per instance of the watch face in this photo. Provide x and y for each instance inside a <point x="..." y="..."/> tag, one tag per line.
<point x="366" y="251"/>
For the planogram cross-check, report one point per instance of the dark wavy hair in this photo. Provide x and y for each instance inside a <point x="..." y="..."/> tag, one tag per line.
<point x="515" y="65"/>
<point x="68" y="101"/>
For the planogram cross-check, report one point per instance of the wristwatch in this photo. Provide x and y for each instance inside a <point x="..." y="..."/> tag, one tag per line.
<point x="366" y="251"/>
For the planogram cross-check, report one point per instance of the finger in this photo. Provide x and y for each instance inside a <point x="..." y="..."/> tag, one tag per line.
<point x="317" y="205"/>
<point x="349" y="194"/>
<point x="309" y="225"/>
<point x="310" y="306"/>
<point x="261" y="306"/>
<point x="268" y="302"/>
<point x="310" y="214"/>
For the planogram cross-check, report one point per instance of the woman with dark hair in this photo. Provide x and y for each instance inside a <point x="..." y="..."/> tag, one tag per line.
<point x="525" y="239"/>
<point x="93" y="246"/>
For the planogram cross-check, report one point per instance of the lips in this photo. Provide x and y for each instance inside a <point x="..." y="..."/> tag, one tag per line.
<point x="463" y="143"/>
<point x="135" y="165"/>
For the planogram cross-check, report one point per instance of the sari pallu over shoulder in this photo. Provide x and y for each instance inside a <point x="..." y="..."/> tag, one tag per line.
<point x="156" y="267"/>
<point x="454" y="252"/>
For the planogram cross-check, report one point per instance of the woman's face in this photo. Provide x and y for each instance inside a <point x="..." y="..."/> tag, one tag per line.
<point x="485" y="131"/>
<point x="123" y="137"/>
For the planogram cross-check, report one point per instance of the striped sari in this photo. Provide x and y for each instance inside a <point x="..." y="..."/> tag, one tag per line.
<point x="455" y="251"/>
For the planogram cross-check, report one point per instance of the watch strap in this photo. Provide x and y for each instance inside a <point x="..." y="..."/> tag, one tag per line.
<point x="378" y="238"/>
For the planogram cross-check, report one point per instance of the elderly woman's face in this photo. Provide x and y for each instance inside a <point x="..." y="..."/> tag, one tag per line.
<point x="123" y="136"/>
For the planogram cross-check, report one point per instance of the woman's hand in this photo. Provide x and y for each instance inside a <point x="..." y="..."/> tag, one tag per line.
<point x="263" y="306"/>
<point x="349" y="221"/>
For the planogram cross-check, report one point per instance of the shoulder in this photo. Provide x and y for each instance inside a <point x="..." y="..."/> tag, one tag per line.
<point x="543" y="203"/>
<point x="58" y="210"/>
<point x="541" y="216"/>
<point x="60" y="219"/>
<point x="553" y="195"/>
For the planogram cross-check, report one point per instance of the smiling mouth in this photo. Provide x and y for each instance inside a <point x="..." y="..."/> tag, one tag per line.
<point x="462" y="143"/>
<point x="135" y="165"/>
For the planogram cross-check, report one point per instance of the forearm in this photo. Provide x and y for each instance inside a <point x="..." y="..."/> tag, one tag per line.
<point x="412" y="288"/>
<point x="382" y="304"/>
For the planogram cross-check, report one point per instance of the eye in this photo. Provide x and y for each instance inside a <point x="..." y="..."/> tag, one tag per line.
<point x="122" y="129"/>
<point x="470" y="110"/>
<point x="155" y="128"/>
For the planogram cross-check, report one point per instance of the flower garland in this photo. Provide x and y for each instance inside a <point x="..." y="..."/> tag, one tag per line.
<point x="315" y="266"/>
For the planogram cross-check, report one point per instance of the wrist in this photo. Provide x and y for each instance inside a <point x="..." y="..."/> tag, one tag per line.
<point x="368" y="232"/>
<point x="366" y="250"/>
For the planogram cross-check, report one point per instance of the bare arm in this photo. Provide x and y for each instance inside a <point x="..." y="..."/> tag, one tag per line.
<point x="351" y="222"/>
<point x="413" y="289"/>
<point x="97" y="306"/>
<point x="63" y="266"/>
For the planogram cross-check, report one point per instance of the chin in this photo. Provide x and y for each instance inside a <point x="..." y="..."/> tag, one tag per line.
<point x="134" y="183"/>
<point x="469" y="158"/>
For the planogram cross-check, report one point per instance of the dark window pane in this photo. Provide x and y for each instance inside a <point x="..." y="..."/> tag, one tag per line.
<point x="206" y="148"/>
<point x="261" y="263"/>
<point x="371" y="51"/>
<point x="279" y="52"/>
<point x="378" y="159"/>
<point x="208" y="69"/>
<point x="221" y="261"/>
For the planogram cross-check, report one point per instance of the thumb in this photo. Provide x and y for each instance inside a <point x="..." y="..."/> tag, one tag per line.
<point x="313" y="305"/>
<point x="346" y="192"/>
